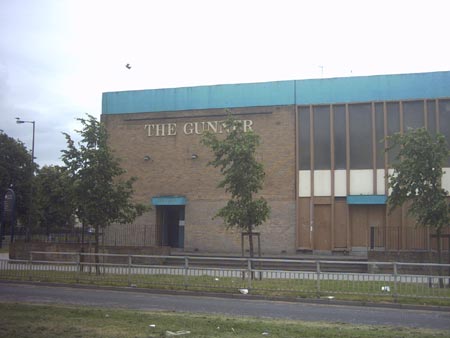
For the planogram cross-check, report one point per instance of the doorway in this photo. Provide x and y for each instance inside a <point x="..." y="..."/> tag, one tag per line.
<point x="366" y="225"/>
<point x="170" y="225"/>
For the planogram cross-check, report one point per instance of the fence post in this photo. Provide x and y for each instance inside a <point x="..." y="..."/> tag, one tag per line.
<point x="129" y="270"/>
<point x="249" y="273"/>
<point x="78" y="267"/>
<point x="318" y="278"/>
<point x="186" y="272"/>
<point x="395" y="282"/>
<point x="30" y="266"/>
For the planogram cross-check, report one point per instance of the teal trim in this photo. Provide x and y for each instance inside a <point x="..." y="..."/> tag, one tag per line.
<point x="205" y="97"/>
<point x="169" y="200"/>
<point x="366" y="199"/>
<point x="374" y="88"/>
<point x="315" y="91"/>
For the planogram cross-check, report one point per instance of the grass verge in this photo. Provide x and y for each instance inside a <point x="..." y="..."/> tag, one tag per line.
<point x="32" y="321"/>
<point x="363" y="291"/>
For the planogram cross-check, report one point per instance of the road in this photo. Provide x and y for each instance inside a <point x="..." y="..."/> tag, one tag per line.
<point x="240" y="306"/>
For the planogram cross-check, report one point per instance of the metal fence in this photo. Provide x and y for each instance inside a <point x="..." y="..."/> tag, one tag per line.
<point x="395" y="238"/>
<point x="387" y="238"/>
<point x="74" y="235"/>
<point x="114" y="235"/>
<point x="298" y="278"/>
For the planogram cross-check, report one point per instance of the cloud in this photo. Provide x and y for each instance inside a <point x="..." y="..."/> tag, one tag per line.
<point x="34" y="65"/>
<point x="57" y="57"/>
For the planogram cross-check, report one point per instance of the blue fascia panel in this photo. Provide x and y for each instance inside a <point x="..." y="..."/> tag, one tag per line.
<point x="169" y="200"/>
<point x="366" y="199"/>
<point x="204" y="97"/>
<point x="373" y="88"/>
<point x="314" y="91"/>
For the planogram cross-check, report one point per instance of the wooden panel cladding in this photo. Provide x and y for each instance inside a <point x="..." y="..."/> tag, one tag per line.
<point x="322" y="227"/>
<point x="304" y="224"/>
<point x="340" y="225"/>
<point x="322" y="200"/>
<point x="376" y="216"/>
<point x="359" y="225"/>
<point x="393" y="238"/>
<point x="362" y="218"/>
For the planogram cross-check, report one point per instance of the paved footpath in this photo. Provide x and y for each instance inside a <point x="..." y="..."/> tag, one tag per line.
<point x="237" y="306"/>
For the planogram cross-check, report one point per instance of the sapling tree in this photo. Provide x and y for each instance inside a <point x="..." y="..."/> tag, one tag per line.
<point x="100" y="193"/>
<point x="243" y="177"/>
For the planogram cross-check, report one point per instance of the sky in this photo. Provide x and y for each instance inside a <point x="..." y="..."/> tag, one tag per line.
<point x="57" y="57"/>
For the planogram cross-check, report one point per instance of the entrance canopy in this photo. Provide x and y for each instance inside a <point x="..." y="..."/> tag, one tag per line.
<point x="169" y="200"/>
<point x="366" y="199"/>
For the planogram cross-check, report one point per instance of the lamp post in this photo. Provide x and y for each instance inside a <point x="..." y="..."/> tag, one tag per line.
<point x="19" y="121"/>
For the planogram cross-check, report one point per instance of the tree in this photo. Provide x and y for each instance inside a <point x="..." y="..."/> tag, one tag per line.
<point x="100" y="194"/>
<point x="16" y="171"/>
<point x="243" y="177"/>
<point x="417" y="178"/>
<point x="54" y="198"/>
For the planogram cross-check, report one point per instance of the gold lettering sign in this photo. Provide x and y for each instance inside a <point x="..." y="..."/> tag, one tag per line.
<point x="192" y="128"/>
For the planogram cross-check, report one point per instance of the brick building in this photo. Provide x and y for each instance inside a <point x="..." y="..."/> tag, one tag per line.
<point x="320" y="146"/>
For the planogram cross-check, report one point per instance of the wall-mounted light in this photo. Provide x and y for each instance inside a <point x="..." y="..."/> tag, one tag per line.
<point x="194" y="156"/>
<point x="147" y="158"/>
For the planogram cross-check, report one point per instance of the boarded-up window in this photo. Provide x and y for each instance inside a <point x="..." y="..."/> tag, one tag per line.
<point x="340" y="157"/>
<point x="360" y="136"/>
<point x="431" y="116"/>
<point x="379" y="134"/>
<point x="304" y="138"/>
<point x="393" y="125"/>
<point x="412" y="115"/>
<point x="322" y="138"/>
<point x="444" y="118"/>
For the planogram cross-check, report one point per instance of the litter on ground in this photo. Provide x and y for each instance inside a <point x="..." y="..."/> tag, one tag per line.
<point x="177" y="333"/>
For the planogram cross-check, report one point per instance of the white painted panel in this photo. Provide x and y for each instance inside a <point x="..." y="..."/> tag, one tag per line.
<point x="304" y="183"/>
<point x="390" y="172"/>
<point x="322" y="182"/>
<point x="340" y="183"/>
<point x="361" y="182"/>
<point x="446" y="179"/>
<point x="380" y="182"/>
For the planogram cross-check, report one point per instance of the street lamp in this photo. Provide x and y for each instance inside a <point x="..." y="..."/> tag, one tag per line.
<point x="19" y="121"/>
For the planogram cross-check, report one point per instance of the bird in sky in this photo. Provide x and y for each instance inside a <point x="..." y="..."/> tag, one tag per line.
<point x="128" y="66"/>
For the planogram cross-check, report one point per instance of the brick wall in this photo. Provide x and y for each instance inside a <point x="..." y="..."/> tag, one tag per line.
<point x="172" y="171"/>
